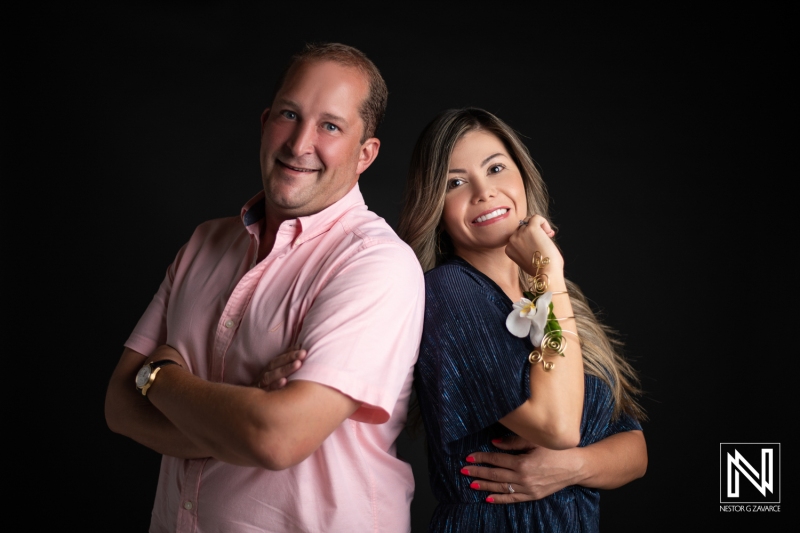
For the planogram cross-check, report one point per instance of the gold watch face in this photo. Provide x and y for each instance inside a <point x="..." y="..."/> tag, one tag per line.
<point x="143" y="376"/>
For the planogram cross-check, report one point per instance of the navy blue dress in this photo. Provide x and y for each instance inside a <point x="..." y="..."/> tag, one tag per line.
<point x="472" y="372"/>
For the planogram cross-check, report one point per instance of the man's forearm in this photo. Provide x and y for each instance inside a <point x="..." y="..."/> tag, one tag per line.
<point x="131" y="414"/>
<point x="246" y="425"/>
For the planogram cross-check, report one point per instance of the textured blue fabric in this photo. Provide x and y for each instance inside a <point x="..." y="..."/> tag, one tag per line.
<point x="471" y="372"/>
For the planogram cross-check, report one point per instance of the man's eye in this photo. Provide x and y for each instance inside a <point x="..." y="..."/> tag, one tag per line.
<point x="291" y="115"/>
<point x="330" y="127"/>
<point x="455" y="182"/>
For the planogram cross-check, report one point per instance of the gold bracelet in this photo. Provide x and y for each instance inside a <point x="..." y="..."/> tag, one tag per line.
<point x="538" y="283"/>
<point x="573" y="333"/>
<point x="549" y="342"/>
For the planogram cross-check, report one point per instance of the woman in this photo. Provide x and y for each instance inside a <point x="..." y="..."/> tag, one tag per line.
<point x="511" y="351"/>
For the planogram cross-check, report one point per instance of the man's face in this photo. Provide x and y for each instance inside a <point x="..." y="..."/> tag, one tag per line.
<point x="311" y="149"/>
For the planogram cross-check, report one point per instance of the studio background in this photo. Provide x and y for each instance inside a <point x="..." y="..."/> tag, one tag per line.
<point x="661" y="137"/>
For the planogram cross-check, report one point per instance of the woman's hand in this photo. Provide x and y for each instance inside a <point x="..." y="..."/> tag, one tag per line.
<point x="535" y="235"/>
<point x="274" y="375"/>
<point x="532" y="475"/>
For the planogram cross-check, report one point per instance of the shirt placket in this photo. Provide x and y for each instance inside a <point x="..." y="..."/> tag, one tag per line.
<point x="240" y="298"/>
<point x="227" y="326"/>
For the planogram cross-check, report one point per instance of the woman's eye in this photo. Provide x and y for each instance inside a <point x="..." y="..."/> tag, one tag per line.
<point x="291" y="115"/>
<point x="330" y="127"/>
<point x="452" y="184"/>
<point x="494" y="169"/>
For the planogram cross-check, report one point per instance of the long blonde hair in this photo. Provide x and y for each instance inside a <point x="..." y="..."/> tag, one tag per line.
<point x="420" y="226"/>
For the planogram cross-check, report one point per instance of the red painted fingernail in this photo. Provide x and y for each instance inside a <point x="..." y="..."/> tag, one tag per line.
<point x="474" y="485"/>
<point x="497" y="441"/>
<point x="490" y="499"/>
<point x="465" y="471"/>
<point x="470" y="459"/>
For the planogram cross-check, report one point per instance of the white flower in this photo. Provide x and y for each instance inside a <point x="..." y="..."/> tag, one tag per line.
<point x="529" y="318"/>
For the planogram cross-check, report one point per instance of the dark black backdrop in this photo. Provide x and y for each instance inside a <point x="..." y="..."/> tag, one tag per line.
<point x="663" y="137"/>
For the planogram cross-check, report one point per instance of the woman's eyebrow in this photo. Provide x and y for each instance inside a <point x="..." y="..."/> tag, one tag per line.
<point x="483" y="163"/>
<point x="490" y="158"/>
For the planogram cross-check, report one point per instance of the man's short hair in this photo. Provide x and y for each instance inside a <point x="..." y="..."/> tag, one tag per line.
<point x="373" y="108"/>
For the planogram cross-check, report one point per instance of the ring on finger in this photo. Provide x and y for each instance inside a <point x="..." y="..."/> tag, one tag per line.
<point x="511" y="489"/>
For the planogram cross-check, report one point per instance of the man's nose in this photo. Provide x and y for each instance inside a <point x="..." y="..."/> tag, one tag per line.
<point x="302" y="139"/>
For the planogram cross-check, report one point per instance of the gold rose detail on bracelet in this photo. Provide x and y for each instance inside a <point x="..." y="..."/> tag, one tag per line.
<point x="538" y="283"/>
<point x="552" y="342"/>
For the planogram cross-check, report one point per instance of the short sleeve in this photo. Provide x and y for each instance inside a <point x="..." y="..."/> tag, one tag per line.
<point x="598" y="409"/>
<point x="471" y="371"/>
<point x="151" y="330"/>
<point x="363" y="330"/>
<point x="624" y="422"/>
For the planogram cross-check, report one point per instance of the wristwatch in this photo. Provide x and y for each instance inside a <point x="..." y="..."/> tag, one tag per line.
<point x="147" y="374"/>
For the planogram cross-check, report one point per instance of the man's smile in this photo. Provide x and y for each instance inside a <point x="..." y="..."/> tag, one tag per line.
<point x="296" y="169"/>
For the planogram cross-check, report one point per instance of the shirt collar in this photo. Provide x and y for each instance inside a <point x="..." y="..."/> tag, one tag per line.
<point x="306" y="227"/>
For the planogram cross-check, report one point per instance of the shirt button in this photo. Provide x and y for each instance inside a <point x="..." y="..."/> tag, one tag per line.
<point x="188" y="506"/>
<point x="228" y="324"/>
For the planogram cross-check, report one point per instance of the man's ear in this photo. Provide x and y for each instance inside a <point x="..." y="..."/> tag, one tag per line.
<point x="369" y="151"/>
<point x="264" y="117"/>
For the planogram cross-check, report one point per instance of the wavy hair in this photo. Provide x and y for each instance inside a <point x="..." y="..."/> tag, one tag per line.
<point x="420" y="226"/>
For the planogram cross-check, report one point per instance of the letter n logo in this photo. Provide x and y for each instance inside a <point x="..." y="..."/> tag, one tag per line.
<point x="749" y="473"/>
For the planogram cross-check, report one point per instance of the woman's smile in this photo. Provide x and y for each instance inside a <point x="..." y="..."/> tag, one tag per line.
<point x="491" y="217"/>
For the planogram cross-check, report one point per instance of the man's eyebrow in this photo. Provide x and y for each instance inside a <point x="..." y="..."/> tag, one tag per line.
<point x="335" y="118"/>
<point x="462" y="171"/>
<point x="287" y="102"/>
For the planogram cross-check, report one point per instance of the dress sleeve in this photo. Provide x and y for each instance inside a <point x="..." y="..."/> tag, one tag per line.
<point x="624" y="422"/>
<point x="598" y="408"/>
<point x="471" y="371"/>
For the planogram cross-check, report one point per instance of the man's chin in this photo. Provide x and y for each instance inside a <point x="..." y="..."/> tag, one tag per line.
<point x="288" y="201"/>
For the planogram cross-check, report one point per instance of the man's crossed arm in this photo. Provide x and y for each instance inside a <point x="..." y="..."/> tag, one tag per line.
<point x="186" y="416"/>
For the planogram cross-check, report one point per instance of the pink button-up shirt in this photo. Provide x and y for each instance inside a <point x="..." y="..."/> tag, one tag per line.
<point x="343" y="285"/>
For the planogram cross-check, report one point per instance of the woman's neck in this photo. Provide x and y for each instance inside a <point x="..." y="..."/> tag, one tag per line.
<point x="497" y="266"/>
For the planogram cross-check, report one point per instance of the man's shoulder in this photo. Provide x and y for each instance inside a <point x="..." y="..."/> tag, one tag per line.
<point x="371" y="233"/>
<point x="219" y="226"/>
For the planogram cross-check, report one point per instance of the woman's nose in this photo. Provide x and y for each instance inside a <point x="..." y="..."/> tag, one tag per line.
<point x="483" y="190"/>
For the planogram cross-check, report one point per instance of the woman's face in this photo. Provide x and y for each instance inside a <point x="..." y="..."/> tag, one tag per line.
<point x="485" y="198"/>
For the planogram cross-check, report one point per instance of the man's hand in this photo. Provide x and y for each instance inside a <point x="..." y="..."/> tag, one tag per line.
<point x="274" y="375"/>
<point x="532" y="475"/>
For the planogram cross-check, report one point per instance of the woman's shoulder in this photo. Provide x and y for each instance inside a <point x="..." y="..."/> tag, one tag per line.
<point x="461" y="289"/>
<point x="457" y="275"/>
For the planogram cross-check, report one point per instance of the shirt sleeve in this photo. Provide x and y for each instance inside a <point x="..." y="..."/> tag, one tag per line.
<point x="151" y="330"/>
<point x="363" y="330"/>
<point x="471" y="371"/>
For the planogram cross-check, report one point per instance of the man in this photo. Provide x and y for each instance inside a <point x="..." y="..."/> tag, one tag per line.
<point x="305" y="264"/>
